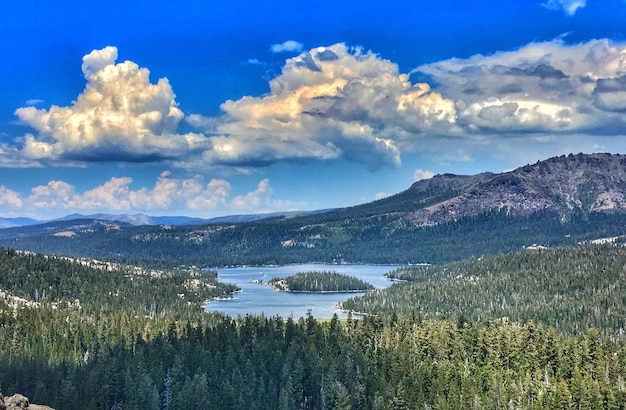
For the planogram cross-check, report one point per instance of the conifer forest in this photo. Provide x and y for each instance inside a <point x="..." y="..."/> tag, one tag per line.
<point x="78" y="335"/>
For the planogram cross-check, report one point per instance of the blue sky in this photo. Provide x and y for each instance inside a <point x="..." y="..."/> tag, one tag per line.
<point x="212" y="108"/>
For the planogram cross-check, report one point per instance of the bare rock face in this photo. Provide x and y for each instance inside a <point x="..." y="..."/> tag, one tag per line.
<point x="566" y="185"/>
<point x="18" y="401"/>
<point x="38" y="407"/>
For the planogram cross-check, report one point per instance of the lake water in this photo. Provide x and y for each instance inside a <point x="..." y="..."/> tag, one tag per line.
<point x="260" y="298"/>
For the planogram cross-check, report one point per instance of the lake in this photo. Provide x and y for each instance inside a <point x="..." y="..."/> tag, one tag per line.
<point x="260" y="298"/>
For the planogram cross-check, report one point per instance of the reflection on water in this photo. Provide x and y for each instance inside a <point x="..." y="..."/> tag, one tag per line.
<point x="259" y="298"/>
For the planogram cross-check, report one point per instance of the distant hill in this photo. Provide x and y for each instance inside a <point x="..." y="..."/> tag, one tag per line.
<point x="142" y="219"/>
<point x="560" y="201"/>
<point x="63" y="228"/>
<point x="13" y="222"/>
<point x="136" y="219"/>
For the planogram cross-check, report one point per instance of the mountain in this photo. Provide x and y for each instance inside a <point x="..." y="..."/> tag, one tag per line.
<point x="567" y="185"/>
<point x="137" y="219"/>
<point x="142" y="219"/>
<point x="561" y="201"/>
<point x="62" y="228"/>
<point x="13" y="222"/>
<point x="576" y="184"/>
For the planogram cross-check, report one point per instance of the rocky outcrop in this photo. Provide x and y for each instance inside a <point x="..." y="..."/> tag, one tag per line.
<point x="566" y="185"/>
<point x="18" y="401"/>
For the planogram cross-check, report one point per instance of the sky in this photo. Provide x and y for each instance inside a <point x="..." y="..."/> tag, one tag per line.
<point x="211" y="108"/>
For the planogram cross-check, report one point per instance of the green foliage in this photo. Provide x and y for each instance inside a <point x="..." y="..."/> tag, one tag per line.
<point x="320" y="282"/>
<point x="215" y="362"/>
<point x="571" y="289"/>
<point x="98" y="287"/>
<point x="78" y="358"/>
<point x="351" y="234"/>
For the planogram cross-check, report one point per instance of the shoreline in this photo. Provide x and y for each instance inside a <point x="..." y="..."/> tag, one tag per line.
<point x="340" y="308"/>
<point x="228" y="296"/>
<point x="278" y="289"/>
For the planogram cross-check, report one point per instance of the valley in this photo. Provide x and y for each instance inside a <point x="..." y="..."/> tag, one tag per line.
<point x="508" y="292"/>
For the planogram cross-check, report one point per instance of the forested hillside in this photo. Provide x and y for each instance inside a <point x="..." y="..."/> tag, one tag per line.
<point x="92" y="287"/>
<point x="70" y="362"/>
<point x="76" y="356"/>
<point x="314" y="238"/>
<point x="571" y="289"/>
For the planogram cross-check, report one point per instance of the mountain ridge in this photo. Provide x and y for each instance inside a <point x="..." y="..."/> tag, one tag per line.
<point x="582" y="183"/>
<point x="558" y="202"/>
<point x="566" y="184"/>
<point x="143" y="219"/>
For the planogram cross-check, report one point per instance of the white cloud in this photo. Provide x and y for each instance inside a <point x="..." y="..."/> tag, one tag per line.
<point x="113" y="194"/>
<point x="568" y="6"/>
<point x="549" y="87"/>
<point x="288" y="46"/>
<point x="191" y="195"/>
<point x="56" y="194"/>
<point x="214" y="194"/>
<point x="330" y="103"/>
<point x="12" y="157"/>
<point x="120" y="116"/>
<point x="420" y="174"/>
<point x="9" y="199"/>
<point x="116" y="194"/>
<point x="381" y="195"/>
<point x="339" y="102"/>
<point x="256" y="198"/>
<point x="254" y="61"/>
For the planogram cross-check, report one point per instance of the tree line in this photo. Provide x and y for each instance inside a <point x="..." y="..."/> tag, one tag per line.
<point x="254" y="362"/>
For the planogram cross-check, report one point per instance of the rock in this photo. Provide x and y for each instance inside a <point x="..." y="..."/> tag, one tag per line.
<point x="19" y="401"/>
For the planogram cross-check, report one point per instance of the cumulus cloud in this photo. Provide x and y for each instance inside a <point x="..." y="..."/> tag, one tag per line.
<point x="9" y="199"/>
<point x="119" y="116"/>
<point x="256" y="198"/>
<point x="420" y="174"/>
<point x="289" y="46"/>
<point x="12" y="157"/>
<point x="548" y="88"/>
<point x="262" y="200"/>
<point x="339" y="103"/>
<point x="118" y="195"/>
<point x="330" y="103"/>
<point x="568" y="6"/>
<point x="214" y="194"/>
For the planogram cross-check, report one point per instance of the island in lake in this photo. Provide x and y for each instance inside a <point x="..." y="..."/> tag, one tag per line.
<point x="320" y="282"/>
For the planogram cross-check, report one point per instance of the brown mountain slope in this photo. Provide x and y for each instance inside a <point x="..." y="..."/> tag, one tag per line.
<point x="566" y="185"/>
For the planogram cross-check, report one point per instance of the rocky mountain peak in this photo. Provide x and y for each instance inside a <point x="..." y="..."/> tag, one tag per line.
<point x="581" y="183"/>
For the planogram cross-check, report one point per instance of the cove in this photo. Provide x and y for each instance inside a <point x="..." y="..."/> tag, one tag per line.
<point x="256" y="298"/>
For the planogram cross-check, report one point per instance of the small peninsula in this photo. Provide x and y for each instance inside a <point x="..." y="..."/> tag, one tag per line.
<point x="318" y="282"/>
